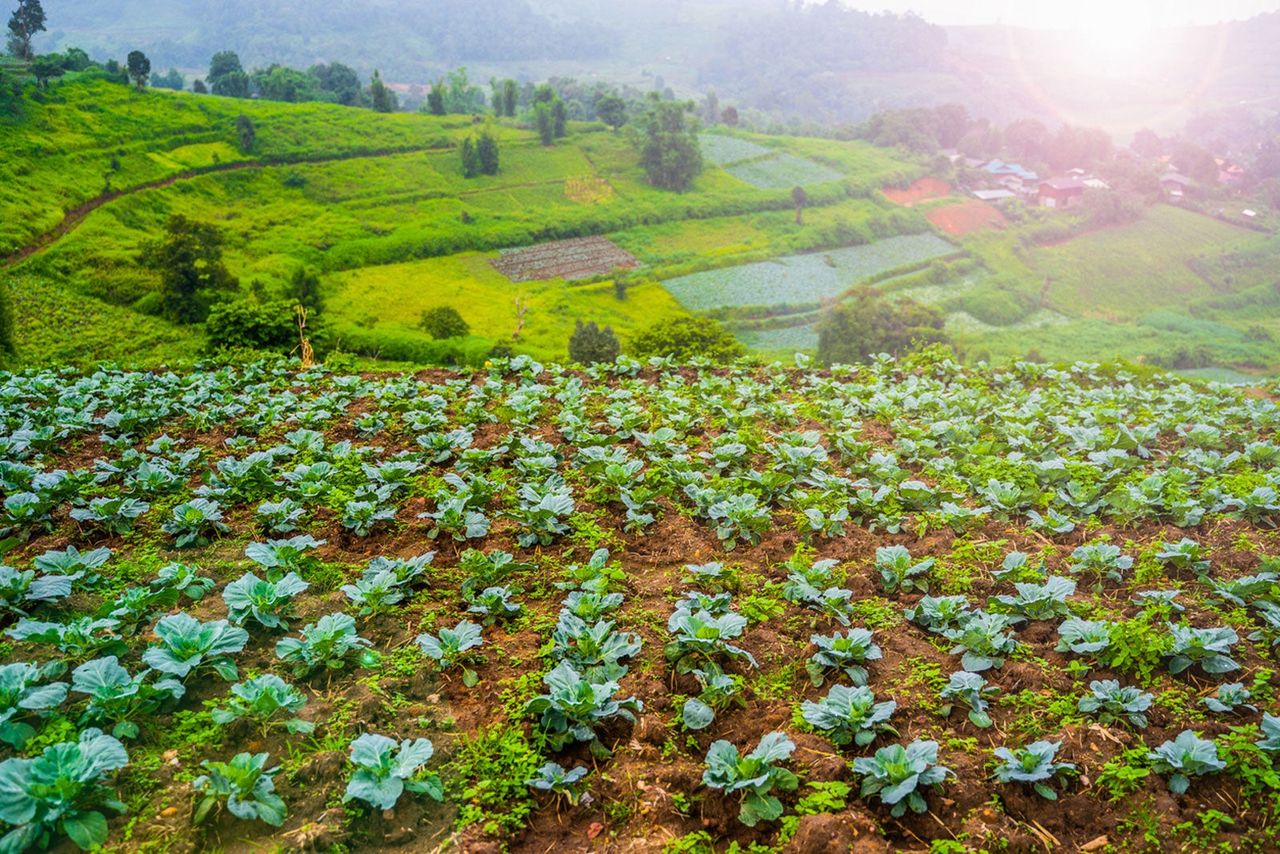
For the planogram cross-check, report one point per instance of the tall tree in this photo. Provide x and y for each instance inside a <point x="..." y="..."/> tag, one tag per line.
<point x="559" y="118"/>
<point x="435" y="99"/>
<point x="192" y="275"/>
<point x="246" y="133"/>
<point x="382" y="98"/>
<point x="27" y="20"/>
<point x="800" y="199"/>
<point x="470" y="159"/>
<point x="487" y="153"/>
<point x="545" y="122"/>
<point x="223" y="63"/>
<point x="669" y="150"/>
<point x="510" y="97"/>
<point x="139" y="68"/>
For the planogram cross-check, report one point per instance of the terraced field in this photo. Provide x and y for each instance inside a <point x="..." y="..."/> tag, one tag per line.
<point x="803" y="279"/>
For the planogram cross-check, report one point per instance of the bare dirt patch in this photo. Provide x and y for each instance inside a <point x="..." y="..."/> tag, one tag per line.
<point x="966" y="217"/>
<point x="923" y="190"/>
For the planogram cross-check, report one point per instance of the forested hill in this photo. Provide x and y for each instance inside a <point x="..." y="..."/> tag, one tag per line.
<point x="400" y="39"/>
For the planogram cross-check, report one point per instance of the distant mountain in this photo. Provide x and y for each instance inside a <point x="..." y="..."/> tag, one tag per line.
<point x="404" y="39"/>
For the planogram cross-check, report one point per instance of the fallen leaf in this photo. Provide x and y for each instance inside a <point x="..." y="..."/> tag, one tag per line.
<point x="595" y="830"/>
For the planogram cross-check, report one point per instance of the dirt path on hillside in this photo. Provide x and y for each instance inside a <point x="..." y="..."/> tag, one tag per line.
<point x="71" y="219"/>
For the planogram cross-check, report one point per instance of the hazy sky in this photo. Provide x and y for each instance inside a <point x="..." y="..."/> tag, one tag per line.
<point x="1073" y="13"/>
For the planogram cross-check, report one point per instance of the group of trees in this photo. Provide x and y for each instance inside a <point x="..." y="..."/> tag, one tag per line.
<point x="867" y="322"/>
<point x="333" y="83"/>
<point x="480" y="155"/>
<point x="667" y="137"/>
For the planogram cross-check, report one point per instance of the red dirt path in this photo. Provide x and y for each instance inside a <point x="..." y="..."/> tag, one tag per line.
<point x="923" y="190"/>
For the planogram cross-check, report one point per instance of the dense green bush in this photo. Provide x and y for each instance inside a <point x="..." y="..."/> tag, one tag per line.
<point x="246" y="324"/>
<point x="867" y="323"/>
<point x="687" y="337"/>
<point x="590" y="344"/>
<point x="444" y="322"/>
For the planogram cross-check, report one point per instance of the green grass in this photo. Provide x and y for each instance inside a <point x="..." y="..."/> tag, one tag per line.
<point x="59" y="153"/>
<point x="1120" y="273"/>
<point x="391" y="298"/>
<point x="54" y="327"/>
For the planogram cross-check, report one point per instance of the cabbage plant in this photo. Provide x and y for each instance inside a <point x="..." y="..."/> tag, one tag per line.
<point x="1033" y="765"/>
<point x="186" y="645"/>
<point x="385" y="769"/>
<point x="700" y="638"/>
<point x="1209" y="648"/>
<point x="331" y="642"/>
<point x="62" y="791"/>
<point x="900" y="572"/>
<point x="1110" y="702"/>
<point x="845" y="653"/>
<point x="26" y="690"/>
<point x="573" y="707"/>
<point x="243" y="787"/>
<point x="1231" y="698"/>
<point x="552" y="777"/>
<point x="972" y="691"/>
<point x="1185" y="757"/>
<point x="266" y="700"/>
<point x="1270" y="731"/>
<point x="849" y="715"/>
<point x="115" y="697"/>
<point x="983" y="641"/>
<point x="452" y="647"/>
<point x="195" y="523"/>
<point x="753" y="776"/>
<point x="898" y="776"/>
<point x="268" y="603"/>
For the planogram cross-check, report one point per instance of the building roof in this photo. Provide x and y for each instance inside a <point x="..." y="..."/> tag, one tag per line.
<point x="999" y="167"/>
<point x="993" y="195"/>
<point x="1063" y="184"/>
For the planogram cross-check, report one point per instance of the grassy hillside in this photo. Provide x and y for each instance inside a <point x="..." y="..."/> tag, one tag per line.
<point x="359" y="197"/>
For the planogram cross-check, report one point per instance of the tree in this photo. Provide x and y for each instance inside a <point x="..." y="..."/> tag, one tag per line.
<point x="340" y="82"/>
<point x="730" y="116"/>
<point x="800" y="199"/>
<point x="612" y="110"/>
<point x="139" y="68"/>
<point x="510" y="97"/>
<point x="382" y="98"/>
<point x="27" y="20"/>
<point x="487" y="154"/>
<point x="435" y="99"/>
<point x="470" y="159"/>
<point x="232" y="85"/>
<point x="1147" y="143"/>
<point x="199" y="88"/>
<point x="545" y="123"/>
<point x="170" y="80"/>
<point x="590" y="344"/>
<point x="711" y="107"/>
<point x="868" y="322"/>
<point x="559" y="118"/>
<point x="444" y="322"/>
<point x="192" y="275"/>
<point x="669" y="150"/>
<point x="46" y="68"/>
<point x="687" y="338"/>
<point x="227" y="76"/>
<point x="304" y="290"/>
<point x="246" y="133"/>
<point x="75" y="59"/>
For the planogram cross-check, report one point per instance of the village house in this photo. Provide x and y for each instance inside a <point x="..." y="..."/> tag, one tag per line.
<point x="1174" y="184"/>
<point x="1063" y="192"/>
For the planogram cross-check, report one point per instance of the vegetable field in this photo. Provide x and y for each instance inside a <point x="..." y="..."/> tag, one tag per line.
<point x="579" y="258"/>
<point x="804" y="278"/>
<point x="639" y="608"/>
<point x="780" y="171"/>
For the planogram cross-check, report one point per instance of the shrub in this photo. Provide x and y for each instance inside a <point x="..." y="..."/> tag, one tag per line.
<point x="686" y="338"/>
<point x="444" y="322"/>
<point x="590" y="344"/>
<point x="251" y="325"/>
